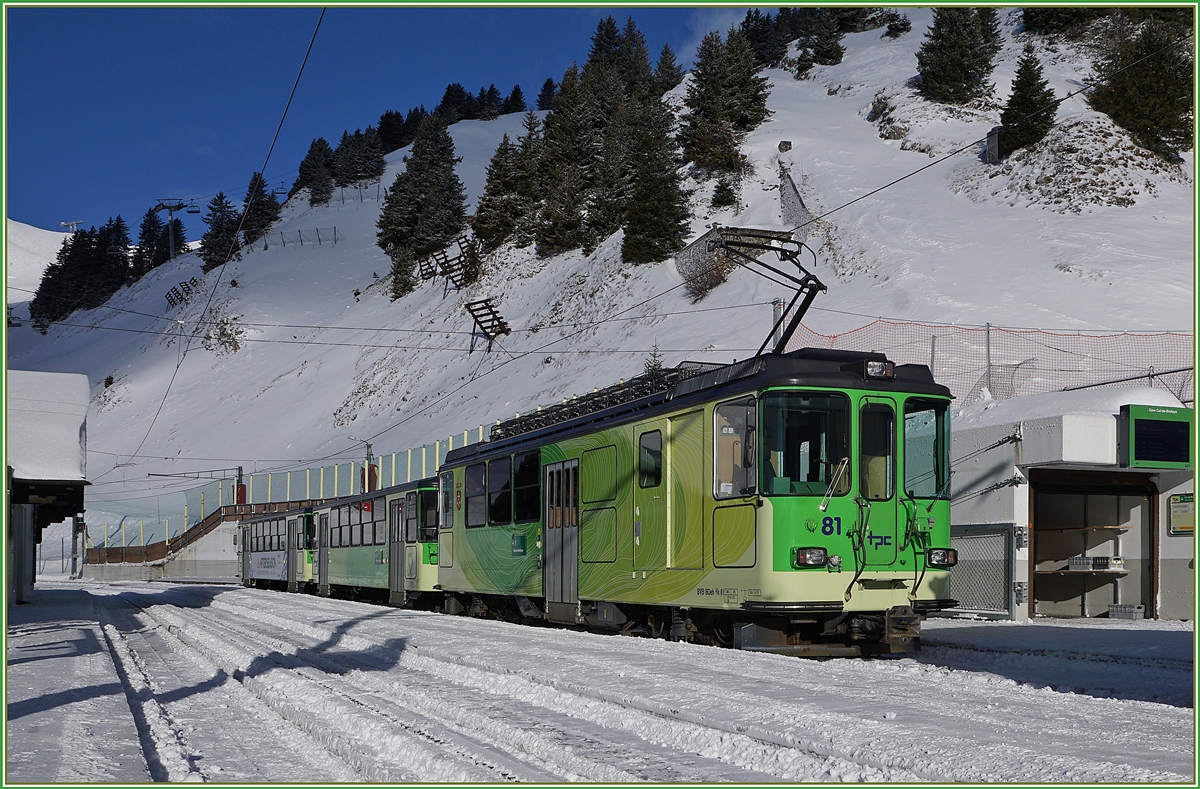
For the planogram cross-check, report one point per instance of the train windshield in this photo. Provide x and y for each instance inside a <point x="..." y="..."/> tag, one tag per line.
<point x="927" y="449"/>
<point x="805" y="444"/>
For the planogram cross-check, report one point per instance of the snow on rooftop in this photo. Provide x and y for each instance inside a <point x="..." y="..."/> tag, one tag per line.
<point x="46" y="414"/>
<point x="1094" y="402"/>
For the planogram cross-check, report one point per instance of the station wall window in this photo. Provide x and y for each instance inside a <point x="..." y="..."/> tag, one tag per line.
<point x="499" y="479"/>
<point x="527" y="499"/>
<point x="650" y="459"/>
<point x="476" y="494"/>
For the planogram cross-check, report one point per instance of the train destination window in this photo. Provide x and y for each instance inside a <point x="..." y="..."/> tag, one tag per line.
<point x="805" y="438"/>
<point x="733" y="449"/>
<point x="427" y="504"/>
<point x="527" y="502"/>
<point x="926" y="449"/>
<point x="499" y="479"/>
<point x="878" y="451"/>
<point x="476" y="494"/>
<point x="650" y="459"/>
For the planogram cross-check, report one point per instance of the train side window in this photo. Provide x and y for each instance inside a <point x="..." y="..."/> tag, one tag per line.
<point x="378" y="511"/>
<point x="499" y="479"/>
<point x="650" y="459"/>
<point x="446" y="519"/>
<point x="476" y="494"/>
<point x="527" y="496"/>
<point x="427" y="507"/>
<point x="335" y="532"/>
<point x="877" y="447"/>
<point x="410" y="517"/>
<point x="733" y="449"/>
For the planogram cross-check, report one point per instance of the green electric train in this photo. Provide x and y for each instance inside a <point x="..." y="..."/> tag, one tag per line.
<point x="796" y="503"/>
<point x="793" y="502"/>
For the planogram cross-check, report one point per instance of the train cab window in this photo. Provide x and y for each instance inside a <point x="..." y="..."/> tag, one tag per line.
<point x="926" y="449"/>
<point x="476" y="494"/>
<point x="428" y="519"/>
<point x="650" y="459"/>
<point x="527" y="495"/>
<point x="446" y="520"/>
<point x="499" y="479"/>
<point x="877" y="449"/>
<point x="410" y="517"/>
<point x="733" y="449"/>
<point x="805" y="444"/>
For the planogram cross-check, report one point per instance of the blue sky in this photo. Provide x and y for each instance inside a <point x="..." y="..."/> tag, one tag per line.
<point x="111" y="109"/>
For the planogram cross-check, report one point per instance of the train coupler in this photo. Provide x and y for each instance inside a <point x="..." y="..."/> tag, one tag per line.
<point x="902" y="629"/>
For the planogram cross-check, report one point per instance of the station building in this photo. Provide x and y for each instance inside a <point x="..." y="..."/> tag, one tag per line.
<point x="1074" y="504"/>
<point x="46" y="454"/>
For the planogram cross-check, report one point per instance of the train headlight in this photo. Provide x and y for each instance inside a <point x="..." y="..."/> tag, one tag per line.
<point x="942" y="557"/>
<point x="809" y="557"/>
<point x="884" y="370"/>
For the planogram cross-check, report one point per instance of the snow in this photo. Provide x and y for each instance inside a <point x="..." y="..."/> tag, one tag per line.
<point x="46" y="416"/>
<point x="28" y="250"/>
<point x="1093" y="402"/>
<point x="237" y="685"/>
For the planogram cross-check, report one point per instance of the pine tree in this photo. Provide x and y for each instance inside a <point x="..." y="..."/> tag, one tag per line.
<point x="1029" y="113"/>
<point x="545" y="98"/>
<point x="667" y="73"/>
<point x="260" y="209"/>
<point x="315" y="173"/>
<point x="989" y="33"/>
<point x="764" y="37"/>
<point x="412" y="122"/>
<point x="1148" y="88"/>
<point x="425" y="209"/>
<point x="343" y="158"/>
<point x="172" y="230"/>
<point x="530" y="146"/>
<point x="656" y="217"/>
<point x="513" y="102"/>
<point x="220" y="242"/>
<point x="500" y="206"/>
<point x="804" y="62"/>
<point x="898" y="27"/>
<point x="827" y="49"/>
<point x="404" y="272"/>
<point x="150" y="235"/>
<point x="391" y="130"/>
<point x="489" y="102"/>
<point x="725" y="99"/>
<point x="746" y="88"/>
<point x="951" y="60"/>
<point x="570" y="149"/>
<point x="110" y="270"/>
<point x="1049" y="21"/>
<point x="457" y="104"/>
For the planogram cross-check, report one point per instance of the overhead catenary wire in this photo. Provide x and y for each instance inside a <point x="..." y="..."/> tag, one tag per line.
<point x="233" y="242"/>
<point x="590" y="325"/>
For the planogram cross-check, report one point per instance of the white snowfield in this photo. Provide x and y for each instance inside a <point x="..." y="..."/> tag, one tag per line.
<point x="236" y="685"/>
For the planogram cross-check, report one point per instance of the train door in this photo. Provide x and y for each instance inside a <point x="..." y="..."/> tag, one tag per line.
<point x="412" y="550"/>
<point x="395" y="552"/>
<point x="650" y="497"/>
<point x="880" y="510"/>
<point x="323" y="556"/>
<point x="293" y="553"/>
<point x="560" y="535"/>
<point x="245" y="529"/>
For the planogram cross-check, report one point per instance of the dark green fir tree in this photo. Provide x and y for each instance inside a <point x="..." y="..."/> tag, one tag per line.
<point x="220" y="241"/>
<point x="951" y="60"/>
<point x="1029" y="113"/>
<point x="260" y="208"/>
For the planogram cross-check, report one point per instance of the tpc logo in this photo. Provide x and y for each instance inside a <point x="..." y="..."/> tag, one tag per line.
<point x="879" y="540"/>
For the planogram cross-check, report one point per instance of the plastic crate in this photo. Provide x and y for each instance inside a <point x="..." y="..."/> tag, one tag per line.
<point x="1076" y="563"/>
<point x="1126" y="611"/>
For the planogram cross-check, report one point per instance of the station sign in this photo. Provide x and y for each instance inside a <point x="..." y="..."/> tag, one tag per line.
<point x="1155" y="436"/>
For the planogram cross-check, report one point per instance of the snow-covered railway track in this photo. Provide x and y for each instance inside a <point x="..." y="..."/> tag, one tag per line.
<point x="481" y="722"/>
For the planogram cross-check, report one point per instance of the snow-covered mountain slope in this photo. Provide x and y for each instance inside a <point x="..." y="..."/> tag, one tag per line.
<point x="308" y="350"/>
<point x="28" y="251"/>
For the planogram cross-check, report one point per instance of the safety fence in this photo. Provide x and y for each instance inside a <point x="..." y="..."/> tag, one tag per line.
<point x="1015" y="362"/>
<point x="144" y="520"/>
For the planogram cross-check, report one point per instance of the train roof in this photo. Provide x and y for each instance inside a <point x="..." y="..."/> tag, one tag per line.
<point x="427" y="482"/>
<point x="659" y="391"/>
